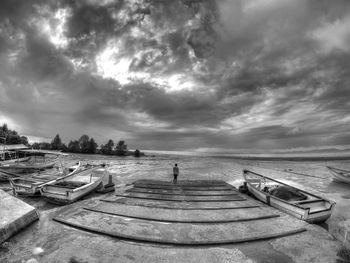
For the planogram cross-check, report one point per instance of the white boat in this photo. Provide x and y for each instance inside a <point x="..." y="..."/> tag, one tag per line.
<point x="31" y="185"/>
<point x="301" y="204"/>
<point x="71" y="188"/>
<point x="340" y="175"/>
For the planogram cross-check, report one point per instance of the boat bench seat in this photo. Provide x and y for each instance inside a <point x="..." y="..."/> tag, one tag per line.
<point x="81" y="179"/>
<point x="65" y="186"/>
<point x="317" y="209"/>
<point x="308" y="201"/>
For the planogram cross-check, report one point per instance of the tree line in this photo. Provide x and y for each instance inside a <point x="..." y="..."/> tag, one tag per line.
<point x="8" y="136"/>
<point x="84" y="144"/>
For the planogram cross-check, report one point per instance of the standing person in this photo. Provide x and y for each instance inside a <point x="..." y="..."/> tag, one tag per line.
<point x="176" y="173"/>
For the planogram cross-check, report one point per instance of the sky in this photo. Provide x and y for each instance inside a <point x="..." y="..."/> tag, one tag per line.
<point x="178" y="75"/>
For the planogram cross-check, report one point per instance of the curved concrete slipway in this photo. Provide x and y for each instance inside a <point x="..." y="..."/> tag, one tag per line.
<point x="153" y="221"/>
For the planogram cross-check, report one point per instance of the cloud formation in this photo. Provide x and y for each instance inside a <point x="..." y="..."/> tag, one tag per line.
<point x="178" y="74"/>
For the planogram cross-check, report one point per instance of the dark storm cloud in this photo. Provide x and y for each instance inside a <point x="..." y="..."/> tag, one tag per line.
<point x="178" y="74"/>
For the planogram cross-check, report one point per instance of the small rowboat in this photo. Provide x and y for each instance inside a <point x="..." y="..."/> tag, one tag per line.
<point x="301" y="204"/>
<point x="340" y="175"/>
<point x="17" y="160"/>
<point x="30" y="186"/>
<point x="71" y="188"/>
<point x="19" y="167"/>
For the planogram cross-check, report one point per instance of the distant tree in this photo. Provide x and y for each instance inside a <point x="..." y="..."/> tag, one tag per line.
<point x="56" y="143"/>
<point x="74" y="147"/>
<point x="84" y="143"/>
<point x="4" y="128"/>
<point x="13" y="138"/>
<point x="137" y="153"/>
<point x="121" y="148"/>
<point x="64" y="148"/>
<point x="107" y="148"/>
<point x="35" y="145"/>
<point x="41" y="145"/>
<point x="92" y="146"/>
<point x="3" y="131"/>
<point x="44" y="146"/>
<point x="24" y="140"/>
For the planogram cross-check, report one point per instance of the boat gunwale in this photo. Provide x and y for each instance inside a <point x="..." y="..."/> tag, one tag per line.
<point x="67" y="190"/>
<point x="334" y="169"/>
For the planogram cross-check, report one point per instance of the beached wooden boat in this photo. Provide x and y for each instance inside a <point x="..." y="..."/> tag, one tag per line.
<point x="19" y="167"/>
<point x="5" y="174"/>
<point x="31" y="185"/>
<point x="340" y="175"/>
<point x="18" y="160"/>
<point x="301" y="204"/>
<point x="71" y="188"/>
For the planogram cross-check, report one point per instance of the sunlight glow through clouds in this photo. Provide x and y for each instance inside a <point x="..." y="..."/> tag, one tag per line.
<point x="113" y="63"/>
<point x="55" y="30"/>
<point x="54" y="27"/>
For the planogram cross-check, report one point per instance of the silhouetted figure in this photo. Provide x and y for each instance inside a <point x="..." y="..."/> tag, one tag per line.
<point x="176" y="173"/>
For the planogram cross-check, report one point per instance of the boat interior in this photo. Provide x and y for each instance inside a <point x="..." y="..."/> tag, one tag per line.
<point x="79" y="179"/>
<point x="314" y="203"/>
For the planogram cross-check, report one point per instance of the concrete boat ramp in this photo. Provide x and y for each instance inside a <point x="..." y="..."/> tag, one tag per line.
<point x="192" y="221"/>
<point x="195" y="225"/>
